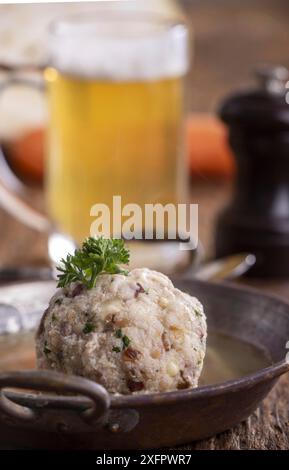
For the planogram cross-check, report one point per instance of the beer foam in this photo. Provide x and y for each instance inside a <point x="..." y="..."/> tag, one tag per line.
<point x="120" y="49"/>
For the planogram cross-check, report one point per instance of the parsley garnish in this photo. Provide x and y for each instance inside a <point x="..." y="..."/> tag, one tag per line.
<point x="88" y="328"/>
<point x="197" y="313"/>
<point x="118" y="333"/>
<point x="125" y="340"/>
<point x="96" y="256"/>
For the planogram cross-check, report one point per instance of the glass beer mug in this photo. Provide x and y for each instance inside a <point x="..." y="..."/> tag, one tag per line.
<point x="115" y="92"/>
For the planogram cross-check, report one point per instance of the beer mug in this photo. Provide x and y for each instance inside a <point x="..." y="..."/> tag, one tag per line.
<point x="115" y="91"/>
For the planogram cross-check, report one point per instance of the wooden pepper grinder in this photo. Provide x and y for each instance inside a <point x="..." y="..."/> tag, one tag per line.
<point x="257" y="219"/>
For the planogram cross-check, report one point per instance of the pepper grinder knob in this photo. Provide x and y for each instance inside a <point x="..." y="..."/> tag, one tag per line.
<point x="272" y="79"/>
<point x="257" y="218"/>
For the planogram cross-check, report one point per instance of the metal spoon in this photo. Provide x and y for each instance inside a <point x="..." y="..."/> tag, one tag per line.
<point x="231" y="267"/>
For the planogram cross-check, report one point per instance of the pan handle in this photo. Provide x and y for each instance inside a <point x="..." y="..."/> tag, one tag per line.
<point x="51" y="381"/>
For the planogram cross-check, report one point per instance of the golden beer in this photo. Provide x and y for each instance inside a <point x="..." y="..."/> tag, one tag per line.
<point x="116" y="131"/>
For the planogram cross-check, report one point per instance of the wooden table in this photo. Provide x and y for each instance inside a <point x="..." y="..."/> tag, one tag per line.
<point x="268" y="427"/>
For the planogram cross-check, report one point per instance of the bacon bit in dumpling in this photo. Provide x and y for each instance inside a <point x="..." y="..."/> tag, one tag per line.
<point x="134" y="385"/>
<point x="109" y="322"/>
<point x="130" y="354"/>
<point x="139" y="290"/>
<point x="166" y="342"/>
<point x="77" y="290"/>
<point x="184" y="383"/>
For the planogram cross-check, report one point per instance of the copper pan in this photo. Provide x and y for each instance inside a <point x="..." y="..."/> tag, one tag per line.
<point x="74" y="413"/>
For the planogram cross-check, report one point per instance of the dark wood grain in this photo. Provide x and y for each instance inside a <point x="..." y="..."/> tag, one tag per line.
<point x="230" y="37"/>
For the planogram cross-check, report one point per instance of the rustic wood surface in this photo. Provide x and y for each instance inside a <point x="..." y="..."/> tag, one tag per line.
<point x="268" y="427"/>
<point x="230" y="38"/>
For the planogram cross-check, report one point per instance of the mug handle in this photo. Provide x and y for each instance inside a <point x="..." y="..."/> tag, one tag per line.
<point x="11" y="188"/>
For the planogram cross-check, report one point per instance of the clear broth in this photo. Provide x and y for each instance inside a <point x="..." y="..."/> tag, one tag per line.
<point x="226" y="358"/>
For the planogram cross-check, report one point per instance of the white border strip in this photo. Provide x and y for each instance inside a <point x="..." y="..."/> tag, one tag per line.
<point x="16" y="2"/>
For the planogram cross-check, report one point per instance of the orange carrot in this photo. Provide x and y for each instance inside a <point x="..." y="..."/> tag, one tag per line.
<point x="26" y="155"/>
<point x="209" y="154"/>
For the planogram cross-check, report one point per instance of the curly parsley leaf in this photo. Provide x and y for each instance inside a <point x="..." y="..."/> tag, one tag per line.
<point x="88" y="328"/>
<point x="96" y="256"/>
<point x="125" y="341"/>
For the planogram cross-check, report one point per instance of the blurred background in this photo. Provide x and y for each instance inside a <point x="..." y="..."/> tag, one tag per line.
<point x="229" y="39"/>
